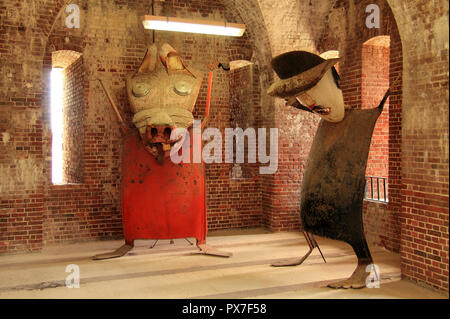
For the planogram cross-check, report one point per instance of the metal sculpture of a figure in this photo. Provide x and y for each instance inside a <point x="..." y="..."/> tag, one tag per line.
<point x="334" y="180"/>
<point x="162" y="199"/>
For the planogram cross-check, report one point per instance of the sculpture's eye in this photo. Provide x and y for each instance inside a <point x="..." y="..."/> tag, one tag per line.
<point x="141" y="89"/>
<point x="182" y="88"/>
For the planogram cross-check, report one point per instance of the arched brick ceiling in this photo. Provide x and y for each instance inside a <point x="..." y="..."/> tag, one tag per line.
<point x="252" y="17"/>
<point x="381" y="41"/>
<point x="64" y="58"/>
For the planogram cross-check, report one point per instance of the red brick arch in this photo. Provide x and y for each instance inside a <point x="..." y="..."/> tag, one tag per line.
<point x="424" y="209"/>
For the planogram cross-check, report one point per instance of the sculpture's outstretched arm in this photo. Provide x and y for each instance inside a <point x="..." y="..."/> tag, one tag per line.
<point x="211" y="66"/>
<point x="388" y="92"/>
<point x="123" y="126"/>
<point x="208" y="98"/>
<point x="383" y="101"/>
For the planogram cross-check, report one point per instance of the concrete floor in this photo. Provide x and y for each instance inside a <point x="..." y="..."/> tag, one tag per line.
<point x="170" y="271"/>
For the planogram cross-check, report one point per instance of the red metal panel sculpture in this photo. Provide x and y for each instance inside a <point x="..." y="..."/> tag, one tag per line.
<point x="162" y="199"/>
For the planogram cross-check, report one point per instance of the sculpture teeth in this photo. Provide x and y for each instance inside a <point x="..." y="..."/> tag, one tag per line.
<point x="166" y="147"/>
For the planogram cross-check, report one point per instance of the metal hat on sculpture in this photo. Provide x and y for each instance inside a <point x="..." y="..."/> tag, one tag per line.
<point x="309" y="81"/>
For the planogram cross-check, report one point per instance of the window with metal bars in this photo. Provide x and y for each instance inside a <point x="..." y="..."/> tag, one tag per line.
<point x="376" y="189"/>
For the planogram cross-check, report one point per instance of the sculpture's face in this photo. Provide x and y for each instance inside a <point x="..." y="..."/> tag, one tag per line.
<point x="324" y="99"/>
<point x="162" y="96"/>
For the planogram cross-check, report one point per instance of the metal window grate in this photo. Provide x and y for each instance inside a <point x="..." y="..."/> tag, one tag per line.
<point x="376" y="189"/>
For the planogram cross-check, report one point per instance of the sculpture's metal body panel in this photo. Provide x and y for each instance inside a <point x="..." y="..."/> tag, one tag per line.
<point x="161" y="201"/>
<point x="334" y="180"/>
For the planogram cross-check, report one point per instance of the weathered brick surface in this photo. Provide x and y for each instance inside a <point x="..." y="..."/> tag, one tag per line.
<point x="424" y="158"/>
<point x="234" y="192"/>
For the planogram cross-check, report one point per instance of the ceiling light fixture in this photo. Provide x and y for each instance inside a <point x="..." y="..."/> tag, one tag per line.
<point x="193" y="26"/>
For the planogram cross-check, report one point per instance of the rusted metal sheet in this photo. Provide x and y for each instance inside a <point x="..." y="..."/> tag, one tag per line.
<point x="334" y="179"/>
<point x="161" y="201"/>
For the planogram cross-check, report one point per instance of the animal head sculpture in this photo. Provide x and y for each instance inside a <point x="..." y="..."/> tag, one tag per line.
<point x="310" y="83"/>
<point x="162" y="95"/>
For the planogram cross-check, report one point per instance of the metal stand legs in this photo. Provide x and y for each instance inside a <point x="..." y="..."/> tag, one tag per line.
<point x="312" y="243"/>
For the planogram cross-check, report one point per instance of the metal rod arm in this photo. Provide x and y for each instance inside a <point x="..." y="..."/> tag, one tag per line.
<point x="113" y="105"/>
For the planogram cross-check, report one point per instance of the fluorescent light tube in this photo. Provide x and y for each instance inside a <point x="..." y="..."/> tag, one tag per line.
<point x="193" y="26"/>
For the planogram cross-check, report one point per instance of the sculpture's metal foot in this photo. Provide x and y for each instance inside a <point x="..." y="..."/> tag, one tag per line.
<point x="115" y="254"/>
<point x="292" y="261"/>
<point x="357" y="280"/>
<point x="209" y="250"/>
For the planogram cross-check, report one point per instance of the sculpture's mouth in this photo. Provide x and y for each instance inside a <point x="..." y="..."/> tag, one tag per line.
<point x="160" y="145"/>
<point x="307" y="103"/>
<point x="321" y="110"/>
<point x="316" y="109"/>
<point x="158" y="128"/>
<point x="158" y="148"/>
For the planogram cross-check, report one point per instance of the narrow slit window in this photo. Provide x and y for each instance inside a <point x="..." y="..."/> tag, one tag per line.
<point x="66" y="113"/>
<point x="57" y="79"/>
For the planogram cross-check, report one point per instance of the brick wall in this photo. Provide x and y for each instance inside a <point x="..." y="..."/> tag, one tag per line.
<point x="290" y="26"/>
<point x="234" y="195"/>
<point x="21" y="189"/>
<point x="233" y="190"/>
<point x="425" y="153"/>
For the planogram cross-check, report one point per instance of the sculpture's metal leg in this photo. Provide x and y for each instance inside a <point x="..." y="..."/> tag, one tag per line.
<point x="154" y="244"/>
<point x="209" y="250"/>
<point x="298" y="261"/>
<point x="115" y="254"/>
<point x="317" y="245"/>
<point x="171" y="242"/>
